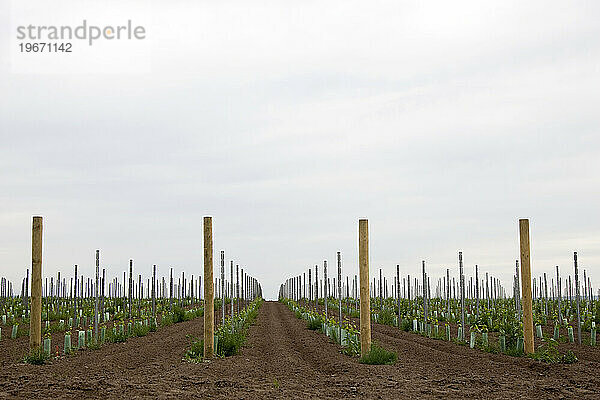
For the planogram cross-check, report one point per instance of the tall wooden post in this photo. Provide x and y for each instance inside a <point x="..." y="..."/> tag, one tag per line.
<point x="154" y="291"/>
<point x="96" y="296"/>
<point x="365" y="297"/>
<point x="75" y="312"/>
<point x="130" y="285"/>
<point x="398" y="291"/>
<point x="425" y="298"/>
<point x="462" y="295"/>
<point x="171" y="290"/>
<point x="140" y="293"/>
<point x="35" y="321"/>
<point x="339" y="287"/>
<point x="231" y="286"/>
<point x="310" y="291"/>
<point x="223" y="287"/>
<point x="577" y="298"/>
<point x="326" y="288"/>
<point x="559" y="294"/>
<point x="477" y="287"/>
<point x="242" y="288"/>
<point x="526" y="286"/>
<point x="237" y="287"/>
<point x="102" y="294"/>
<point x="447" y="292"/>
<point x="317" y="288"/>
<point x="304" y="287"/>
<point x="209" y="301"/>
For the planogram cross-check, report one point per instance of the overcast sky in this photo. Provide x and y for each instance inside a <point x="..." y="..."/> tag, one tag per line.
<point x="442" y="123"/>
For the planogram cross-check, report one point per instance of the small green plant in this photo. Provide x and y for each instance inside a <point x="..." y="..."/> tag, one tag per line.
<point x="152" y="325"/>
<point x="196" y="351"/>
<point x="178" y="314"/>
<point x="406" y="326"/>
<point x="569" y="357"/>
<point x="36" y="357"/>
<point x="379" y="356"/>
<point x="314" y="324"/>
<point x="116" y="337"/>
<point x="351" y="350"/>
<point x="491" y="348"/>
<point x="94" y="345"/>
<point x="230" y="343"/>
<point x="194" y="313"/>
<point x="275" y="383"/>
<point x="140" y="330"/>
<point x="166" y="320"/>
<point x="548" y="353"/>
<point x="514" y="351"/>
<point x="352" y="345"/>
<point x="386" y="317"/>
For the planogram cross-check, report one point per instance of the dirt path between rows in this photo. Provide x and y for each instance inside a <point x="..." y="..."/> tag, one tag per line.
<point x="283" y="359"/>
<point x="452" y="370"/>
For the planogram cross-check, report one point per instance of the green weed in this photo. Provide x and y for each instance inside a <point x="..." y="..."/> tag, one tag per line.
<point x="36" y="357"/>
<point x="379" y="356"/>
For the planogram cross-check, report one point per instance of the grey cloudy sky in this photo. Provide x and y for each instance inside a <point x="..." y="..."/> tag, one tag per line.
<point x="442" y="122"/>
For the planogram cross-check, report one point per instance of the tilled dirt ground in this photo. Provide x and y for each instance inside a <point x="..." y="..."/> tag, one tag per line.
<point x="283" y="359"/>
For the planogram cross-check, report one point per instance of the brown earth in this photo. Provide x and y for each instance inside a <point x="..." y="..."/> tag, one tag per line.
<point x="284" y="360"/>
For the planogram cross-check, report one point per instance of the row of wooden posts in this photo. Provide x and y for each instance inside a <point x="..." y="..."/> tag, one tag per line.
<point x="365" y="298"/>
<point x="489" y="289"/>
<point x="363" y="255"/>
<point x="35" y="333"/>
<point x="292" y="286"/>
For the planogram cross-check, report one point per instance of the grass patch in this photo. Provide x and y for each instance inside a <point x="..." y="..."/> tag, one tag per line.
<point x="178" y="314"/>
<point x="406" y="325"/>
<point x="196" y="351"/>
<point x="548" y="353"/>
<point x="117" y="337"/>
<point x="491" y="348"/>
<point x="139" y="330"/>
<point x="379" y="356"/>
<point x="36" y="357"/>
<point x="166" y="320"/>
<point x="192" y="314"/>
<point x="314" y="324"/>
<point x="513" y="351"/>
<point x="460" y="342"/>
<point x="386" y="317"/>
<point x="94" y="345"/>
<point x="231" y="342"/>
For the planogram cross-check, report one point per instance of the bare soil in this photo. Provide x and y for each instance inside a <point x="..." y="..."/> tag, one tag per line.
<point x="282" y="360"/>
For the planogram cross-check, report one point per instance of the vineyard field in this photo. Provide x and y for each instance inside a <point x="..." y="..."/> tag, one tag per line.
<point x="284" y="359"/>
